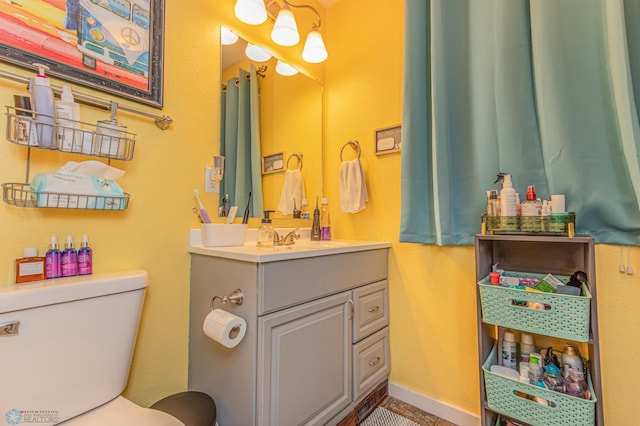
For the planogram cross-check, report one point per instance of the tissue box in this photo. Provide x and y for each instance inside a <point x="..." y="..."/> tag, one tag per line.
<point x="222" y="234"/>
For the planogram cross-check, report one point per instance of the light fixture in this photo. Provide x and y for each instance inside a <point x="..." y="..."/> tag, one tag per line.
<point x="285" y="69"/>
<point x="314" y="50"/>
<point x="227" y="37"/>
<point x="251" y="12"/>
<point x="285" y="30"/>
<point x="257" y="53"/>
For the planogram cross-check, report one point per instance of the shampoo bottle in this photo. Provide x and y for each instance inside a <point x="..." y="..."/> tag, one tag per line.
<point x="509" y="350"/>
<point x="42" y="96"/>
<point x="68" y="113"/>
<point x="85" y="257"/>
<point x="69" y="259"/>
<point x="52" y="259"/>
<point x="325" y="221"/>
<point x="508" y="198"/>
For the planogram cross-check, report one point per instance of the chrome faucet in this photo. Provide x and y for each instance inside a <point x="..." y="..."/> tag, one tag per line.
<point x="287" y="240"/>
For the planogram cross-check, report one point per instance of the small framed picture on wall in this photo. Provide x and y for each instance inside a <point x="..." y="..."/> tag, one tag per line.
<point x="388" y="140"/>
<point x="273" y="163"/>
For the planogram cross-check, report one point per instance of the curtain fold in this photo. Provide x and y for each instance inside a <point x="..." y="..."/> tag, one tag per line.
<point x="240" y="142"/>
<point x="541" y="90"/>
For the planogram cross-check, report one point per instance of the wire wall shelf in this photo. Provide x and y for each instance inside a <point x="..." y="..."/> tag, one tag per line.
<point x="22" y="195"/>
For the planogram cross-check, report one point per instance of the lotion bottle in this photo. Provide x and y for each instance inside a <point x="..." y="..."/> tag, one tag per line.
<point x="508" y="198"/>
<point x="52" y="259"/>
<point x="68" y="113"/>
<point x="85" y="257"/>
<point x="42" y="96"/>
<point x="69" y="259"/>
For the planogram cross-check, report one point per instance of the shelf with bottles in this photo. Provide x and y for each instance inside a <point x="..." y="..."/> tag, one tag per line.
<point x="105" y="139"/>
<point x="22" y="195"/>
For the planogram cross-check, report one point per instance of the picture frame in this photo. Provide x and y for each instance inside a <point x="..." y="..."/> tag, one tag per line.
<point x="114" y="47"/>
<point x="273" y="163"/>
<point x="388" y="140"/>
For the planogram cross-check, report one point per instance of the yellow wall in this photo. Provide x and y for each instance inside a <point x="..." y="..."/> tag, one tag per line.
<point x="433" y="326"/>
<point x="432" y="289"/>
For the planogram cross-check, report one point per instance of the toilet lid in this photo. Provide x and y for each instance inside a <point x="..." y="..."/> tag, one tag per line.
<point x="123" y="412"/>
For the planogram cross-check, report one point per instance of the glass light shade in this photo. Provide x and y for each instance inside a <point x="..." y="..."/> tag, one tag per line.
<point x="314" y="51"/>
<point x="251" y="12"/>
<point x="256" y="53"/>
<point x="285" y="69"/>
<point x="285" y="30"/>
<point x="227" y="37"/>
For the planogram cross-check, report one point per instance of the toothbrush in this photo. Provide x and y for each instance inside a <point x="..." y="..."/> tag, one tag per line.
<point x="245" y="218"/>
<point x="203" y="212"/>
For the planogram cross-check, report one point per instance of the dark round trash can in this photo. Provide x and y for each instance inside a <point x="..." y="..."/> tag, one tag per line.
<point x="192" y="408"/>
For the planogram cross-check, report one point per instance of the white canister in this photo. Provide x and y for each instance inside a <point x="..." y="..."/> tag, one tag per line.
<point x="110" y="139"/>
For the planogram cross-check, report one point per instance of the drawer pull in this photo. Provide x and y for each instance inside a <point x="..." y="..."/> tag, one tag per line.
<point x="374" y="309"/>
<point x="375" y="361"/>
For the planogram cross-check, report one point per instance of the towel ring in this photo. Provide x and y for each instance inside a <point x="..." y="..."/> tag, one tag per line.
<point x="297" y="155"/>
<point x="354" y="144"/>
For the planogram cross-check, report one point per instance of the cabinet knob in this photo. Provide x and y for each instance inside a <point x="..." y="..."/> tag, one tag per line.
<point x="375" y="361"/>
<point x="374" y="309"/>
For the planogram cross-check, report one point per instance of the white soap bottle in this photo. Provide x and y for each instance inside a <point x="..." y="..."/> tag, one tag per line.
<point x="509" y="350"/>
<point x="68" y="113"/>
<point x="508" y="197"/>
<point x="43" y="105"/>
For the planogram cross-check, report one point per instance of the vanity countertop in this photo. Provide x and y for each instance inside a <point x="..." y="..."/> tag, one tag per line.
<point x="302" y="248"/>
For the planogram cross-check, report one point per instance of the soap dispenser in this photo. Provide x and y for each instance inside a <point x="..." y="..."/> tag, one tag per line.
<point x="266" y="233"/>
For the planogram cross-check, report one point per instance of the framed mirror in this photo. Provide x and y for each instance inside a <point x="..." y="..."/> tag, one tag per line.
<point x="290" y="125"/>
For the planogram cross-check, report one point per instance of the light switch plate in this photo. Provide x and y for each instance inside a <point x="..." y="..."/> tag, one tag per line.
<point x="210" y="185"/>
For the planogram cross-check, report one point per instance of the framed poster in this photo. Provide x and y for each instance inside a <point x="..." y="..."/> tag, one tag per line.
<point x="388" y="140"/>
<point x="273" y="163"/>
<point x="115" y="46"/>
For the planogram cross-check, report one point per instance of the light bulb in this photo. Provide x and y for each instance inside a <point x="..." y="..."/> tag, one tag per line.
<point x="285" y="30"/>
<point x="285" y="69"/>
<point x="227" y="37"/>
<point x="256" y="53"/>
<point x="251" y="12"/>
<point x="314" y="51"/>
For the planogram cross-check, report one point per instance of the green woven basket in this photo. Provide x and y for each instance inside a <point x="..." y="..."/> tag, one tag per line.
<point x="567" y="316"/>
<point x="502" y="398"/>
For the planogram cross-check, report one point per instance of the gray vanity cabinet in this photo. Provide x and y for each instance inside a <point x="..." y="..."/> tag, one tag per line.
<point x="316" y="341"/>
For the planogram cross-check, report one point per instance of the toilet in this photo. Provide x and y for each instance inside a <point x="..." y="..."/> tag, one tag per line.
<point x="65" y="350"/>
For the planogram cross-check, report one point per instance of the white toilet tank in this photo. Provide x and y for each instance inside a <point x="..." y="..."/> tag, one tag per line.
<point x="66" y="344"/>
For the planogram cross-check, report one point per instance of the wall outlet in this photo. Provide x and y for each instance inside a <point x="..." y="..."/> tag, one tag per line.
<point x="210" y="185"/>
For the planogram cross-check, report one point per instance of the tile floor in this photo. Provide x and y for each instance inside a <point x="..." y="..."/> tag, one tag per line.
<point x="415" y="414"/>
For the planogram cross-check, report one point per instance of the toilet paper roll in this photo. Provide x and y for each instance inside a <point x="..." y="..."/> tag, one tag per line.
<point x="557" y="203"/>
<point x="224" y="327"/>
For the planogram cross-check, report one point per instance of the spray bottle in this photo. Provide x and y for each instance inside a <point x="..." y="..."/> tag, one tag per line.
<point x="42" y="96"/>
<point x="508" y="197"/>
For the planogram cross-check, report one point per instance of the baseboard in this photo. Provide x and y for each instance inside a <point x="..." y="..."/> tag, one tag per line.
<point x="448" y="412"/>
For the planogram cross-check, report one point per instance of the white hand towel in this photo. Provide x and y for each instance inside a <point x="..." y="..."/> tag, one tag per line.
<point x="292" y="192"/>
<point x="352" y="186"/>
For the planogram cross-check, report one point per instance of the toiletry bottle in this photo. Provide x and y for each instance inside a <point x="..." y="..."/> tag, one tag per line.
<point x="52" y="259"/>
<point x="30" y="267"/>
<point x="552" y="378"/>
<point x="509" y="350"/>
<point x="68" y="113"/>
<point x="111" y="139"/>
<point x="304" y="209"/>
<point x="69" y="259"/>
<point x="535" y="369"/>
<point x="85" y="257"/>
<point x="25" y="131"/>
<point x="42" y="96"/>
<point x="526" y="347"/>
<point x="315" y="228"/>
<point x="266" y="233"/>
<point x="508" y="197"/>
<point x="325" y="221"/>
<point x="575" y="385"/>
<point x="571" y="360"/>
<point x="492" y="203"/>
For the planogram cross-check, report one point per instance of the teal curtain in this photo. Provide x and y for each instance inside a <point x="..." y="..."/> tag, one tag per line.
<point x="240" y="142"/>
<point x="542" y="90"/>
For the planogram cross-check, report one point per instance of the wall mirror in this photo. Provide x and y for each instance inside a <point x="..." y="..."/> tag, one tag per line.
<point x="290" y="125"/>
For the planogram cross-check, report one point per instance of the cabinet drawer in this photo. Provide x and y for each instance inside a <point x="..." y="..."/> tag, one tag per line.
<point x="371" y="309"/>
<point x="370" y="362"/>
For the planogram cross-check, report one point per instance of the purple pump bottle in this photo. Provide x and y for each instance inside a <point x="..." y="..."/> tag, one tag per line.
<point x="85" y="257"/>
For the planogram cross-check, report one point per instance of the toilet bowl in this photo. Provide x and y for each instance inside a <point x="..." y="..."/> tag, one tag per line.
<point x="65" y="352"/>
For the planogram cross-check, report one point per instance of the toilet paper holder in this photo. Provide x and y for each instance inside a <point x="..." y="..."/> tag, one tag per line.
<point x="236" y="297"/>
